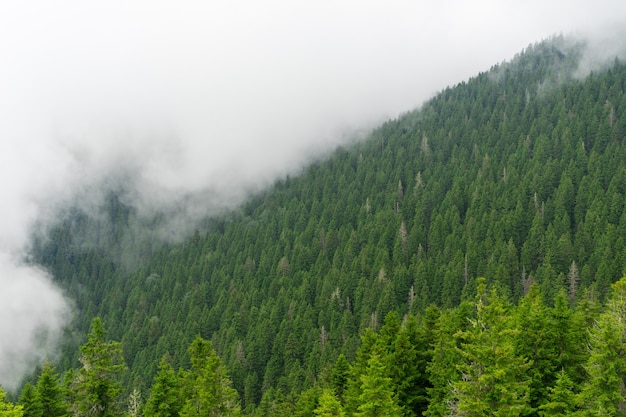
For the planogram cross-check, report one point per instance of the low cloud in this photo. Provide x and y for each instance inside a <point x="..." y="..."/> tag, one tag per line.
<point x="33" y="313"/>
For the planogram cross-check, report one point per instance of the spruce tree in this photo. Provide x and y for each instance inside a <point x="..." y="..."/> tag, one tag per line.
<point x="445" y="356"/>
<point x="536" y="341"/>
<point x="603" y="394"/>
<point x="339" y="376"/>
<point x="377" y="398"/>
<point x="8" y="409"/>
<point x="96" y="387"/>
<point x="50" y="393"/>
<point x="561" y="399"/>
<point x="207" y="388"/>
<point x="29" y="400"/>
<point x="164" y="398"/>
<point x="329" y="405"/>
<point x="494" y="381"/>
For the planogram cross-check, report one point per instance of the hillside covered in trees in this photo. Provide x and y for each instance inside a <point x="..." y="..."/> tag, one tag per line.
<point x="315" y="294"/>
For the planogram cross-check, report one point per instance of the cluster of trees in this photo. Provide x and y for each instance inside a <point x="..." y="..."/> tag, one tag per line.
<point x="485" y="357"/>
<point x="95" y="389"/>
<point x="518" y="175"/>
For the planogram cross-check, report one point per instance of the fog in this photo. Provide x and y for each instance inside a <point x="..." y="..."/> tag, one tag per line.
<point x="209" y="101"/>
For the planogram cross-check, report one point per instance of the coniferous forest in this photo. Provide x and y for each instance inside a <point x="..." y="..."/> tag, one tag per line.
<point x="464" y="259"/>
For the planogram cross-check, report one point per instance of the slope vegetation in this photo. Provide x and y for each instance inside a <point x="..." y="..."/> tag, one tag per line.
<point x="517" y="175"/>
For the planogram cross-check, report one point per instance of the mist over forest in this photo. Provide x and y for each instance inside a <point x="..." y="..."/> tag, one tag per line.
<point x="279" y="180"/>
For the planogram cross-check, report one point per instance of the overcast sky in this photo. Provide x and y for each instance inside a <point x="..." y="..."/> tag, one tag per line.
<point x="220" y="94"/>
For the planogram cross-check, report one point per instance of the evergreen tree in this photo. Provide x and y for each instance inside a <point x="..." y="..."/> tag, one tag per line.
<point x="164" y="400"/>
<point x="339" y="376"/>
<point x="96" y="386"/>
<point x="50" y="393"/>
<point x="8" y="409"/>
<point x="603" y="394"/>
<point x="536" y="341"/>
<point x="207" y="390"/>
<point x="570" y="338"/>
<point x="442" y="370"/>
<point x="407" y="363"/>
<point x="370" y="344"/>
<point x="377" y="398"/>
<point x="561" y="399"/>
<point x="329" y="405"/>
<point x="307" y="402"/>
<point x="493" y="381"/>
<point x="30" y="402"/>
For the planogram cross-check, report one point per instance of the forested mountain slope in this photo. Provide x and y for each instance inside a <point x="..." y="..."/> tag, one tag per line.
<point x="517" y="175"/>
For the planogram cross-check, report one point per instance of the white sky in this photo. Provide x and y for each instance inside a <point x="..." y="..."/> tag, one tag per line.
<point x="226" y="94"/>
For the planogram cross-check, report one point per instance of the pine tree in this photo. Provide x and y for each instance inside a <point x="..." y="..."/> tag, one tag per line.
<point x="339" y="376"/>
<point x="377" y="398"/>
<point x="96" y="386"/>
<point x="493" y="378"/>
<point x="561" y="399"/>
<point x="164" y="398"/>
<point x="29" y="400"/>
<point x="370" y="343"/>
<point x="537" y="342"/>
<point x="407" y="363"/>
<point x="329" y="405"/>
<point x="603" y="394"/>
<point x="442" y="368"/>
<point x="570" y="337"/>
<point x="50" y="393"/>
<point x="8" y="409"/>
<point x="206" y="387"/>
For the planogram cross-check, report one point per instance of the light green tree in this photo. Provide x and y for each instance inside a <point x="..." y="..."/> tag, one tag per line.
<point x="164" y="398"/>
<point x="494" y="381"/>
<point x="8" y="409"/>
<point x="377" y="398"/>
<point x="603" y="393"/>
<point x="329" y="405"/>
<point x="445" y="356"/>
<point x="207" y="389"/>
<point x="96" y="388"/>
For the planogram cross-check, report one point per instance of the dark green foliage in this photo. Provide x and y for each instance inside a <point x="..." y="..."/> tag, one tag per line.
<point x="50" y="393"/>
<point x="30" y="402"/>
<point x="561" y="399"/>
<point x="339" y="376"/>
